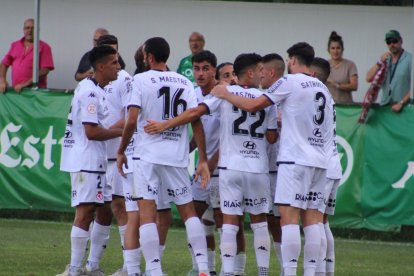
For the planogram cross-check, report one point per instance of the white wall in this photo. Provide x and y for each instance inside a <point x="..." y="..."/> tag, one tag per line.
<point x="230" y="28"/>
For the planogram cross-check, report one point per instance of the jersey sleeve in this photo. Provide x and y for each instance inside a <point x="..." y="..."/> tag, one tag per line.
<point x="212" y="104"/>
<point x="272" y="121"/>
<point x="136" y="93"/>
<point x="126" y="90"/>
<point x="279" y="91"/>
<point x="89" y="104"/>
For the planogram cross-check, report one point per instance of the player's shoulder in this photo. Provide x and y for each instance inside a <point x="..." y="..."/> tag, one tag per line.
<point x="88" y="87"/>
<point x="124" y="75"/>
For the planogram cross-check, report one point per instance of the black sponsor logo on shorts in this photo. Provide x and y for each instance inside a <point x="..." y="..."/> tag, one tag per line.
<point x="151" y="190"/>
<point x="74" y="194"/>
<point x="331" y="202"/>
<point x="129" y="197"/>
<point x="232" y="204"/>
<point x="177" y="192"/>
<point x="255" y="201"/>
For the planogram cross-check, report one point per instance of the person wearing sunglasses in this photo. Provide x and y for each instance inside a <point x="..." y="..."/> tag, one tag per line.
<point x="396" y="87"/>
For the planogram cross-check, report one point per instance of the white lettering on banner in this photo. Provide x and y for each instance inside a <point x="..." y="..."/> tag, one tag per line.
<point x="33" y="154"/>
<point x="350" y="158"/>
<point x="400" y="184"/>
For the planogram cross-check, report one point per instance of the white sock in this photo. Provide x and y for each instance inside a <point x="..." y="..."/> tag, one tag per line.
<point x="121" y="230"/>
<point x="261" y="241"/>
<point x="150" y="242"/>
<point x="321" y="264"/>
<point x="161" y="249"/>
<point x="197" y="238"/>
<point x="278" y="250"/>
<point x="132" y="260"/>
<point x="330" y="249"/>
<point x="239" y="263"/>
<point x="311" y="249"/>
<point x="193" y="259"/>
<point x="290" y="248"/>
<point x="228" y="247"/>
<point x="99" y="238"/>
<point x="211" y="259"/>
<point x="79" y="242"/>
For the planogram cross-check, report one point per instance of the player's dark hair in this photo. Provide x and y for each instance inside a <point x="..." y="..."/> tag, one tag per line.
<point x="324" y="67"/>
<point x="244" y="62"/>
<point x="272" y="57"/>
<point x="107" y="40"/>
<point x="205" y="55"/>
<point x="158" y="47"/>
<point x="334" y="37"/>
<point x="221" y="65"/>
<point x="99" y="54"/>
<point x="303" y="52"/>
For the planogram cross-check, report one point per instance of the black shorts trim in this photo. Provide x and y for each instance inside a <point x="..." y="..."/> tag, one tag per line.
<point x="164" y="210"/>
<point x="92" y="172"/>
<point x="89" y="123"/>
<point x="111" y="159"/>
<point x="273" y="172"/>
<point x="285" y="162"/>
<point x="136" y="158"/>
<point x="118" y="196"/>
<point x="89" y="203"/>
<point x="222" y="168"/>
<point x="200" y="201"/>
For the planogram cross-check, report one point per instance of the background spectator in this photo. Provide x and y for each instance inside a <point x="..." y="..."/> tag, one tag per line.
<point x="84" y="68"/>
<point x="196" y="43"/>
<point x="20" y="58"/>
<point x="343" y="79"/>
<point x="396" y="87"/>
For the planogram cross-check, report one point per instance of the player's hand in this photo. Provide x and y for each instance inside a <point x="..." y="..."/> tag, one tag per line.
<point x="89" y="74"/>
<point x="396" y="107"/>
<point x="18" y="88"/>
<point x="204" y="172"/>
<point x="3" y="86"/>
<point x="154" y="127"/>
<point x="220" y="91"/>
<point x="120" y="161"/>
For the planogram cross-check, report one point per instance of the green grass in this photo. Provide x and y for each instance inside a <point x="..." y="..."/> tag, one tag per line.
<point x="37" y="248"/>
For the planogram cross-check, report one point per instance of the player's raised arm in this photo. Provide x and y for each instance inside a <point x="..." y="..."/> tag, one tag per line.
<point x="249" y="105"/>
<point x="190" y="115"/>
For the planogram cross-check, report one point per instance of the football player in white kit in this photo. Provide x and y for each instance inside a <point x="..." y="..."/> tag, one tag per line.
<point x="84" y="156"/>
<point x="273" y="69"/>
<point x="243" y="181"/>
<point x="326" y="261"/>
<point x="117" y="94"/>
<point x="204" y="69"/>
<point x="302" y="155"/>
<point x="160" y="162"/>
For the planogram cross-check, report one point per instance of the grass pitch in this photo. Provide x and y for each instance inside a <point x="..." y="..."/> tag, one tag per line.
<point x="38" y="248"/>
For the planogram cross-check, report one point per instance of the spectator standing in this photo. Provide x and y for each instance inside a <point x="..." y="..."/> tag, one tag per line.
<point x="84" y="68"/>
<point x="396" y="87"/>
<point x="20" y="58"/>
<point x="196" y="43"/>
<point x="343" y="79"/>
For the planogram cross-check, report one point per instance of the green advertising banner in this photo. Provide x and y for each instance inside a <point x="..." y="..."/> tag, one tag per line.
<point x="32" y="125"/>
<point x="376" y="191"/>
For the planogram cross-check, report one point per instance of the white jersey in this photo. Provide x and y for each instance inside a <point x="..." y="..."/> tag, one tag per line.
<point x="303" y="135"/>
<point x="334" y="170"/>
<point x="243" y="145"/>
<point x="117" y="94"/>
<point x="161" y="96"/>
<point x="78" y="152"/>
<point x="211" y="125"/>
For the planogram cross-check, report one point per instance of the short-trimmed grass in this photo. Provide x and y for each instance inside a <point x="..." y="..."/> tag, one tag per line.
<point x="37" y="248"/>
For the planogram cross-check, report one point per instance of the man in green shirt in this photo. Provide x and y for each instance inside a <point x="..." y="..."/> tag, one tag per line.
<point x="185" y="68"/>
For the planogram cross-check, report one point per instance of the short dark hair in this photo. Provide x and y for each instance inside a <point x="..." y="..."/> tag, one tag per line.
<point x="244" y="62"/>
<point x="325" y="67"/>
<point x="303" y="52"/>
<point x="334" y="37"/>
<point x="272" y="57"/>
<point x="205" y="55"/>
<point x="158" y="47"/>
<point x="107" y="40"/>
<point x="221" y="65"/>
<point x="99" y="54"/>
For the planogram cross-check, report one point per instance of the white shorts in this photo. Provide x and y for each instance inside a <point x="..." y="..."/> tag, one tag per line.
<point x="210" y="194"/>
<point x="243" y="191"/>
<point x="273" y="208"/>
<point x="89" y="188"/>
<point x="115" y="179"/>
<point x="161" y="183"/>
<point x="330" y="196"/>
<point x="300" y="186"/>
<point x="130" y="195"/>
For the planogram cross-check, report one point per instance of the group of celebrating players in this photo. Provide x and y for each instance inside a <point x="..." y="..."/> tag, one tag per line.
<point x="266" y="144"/>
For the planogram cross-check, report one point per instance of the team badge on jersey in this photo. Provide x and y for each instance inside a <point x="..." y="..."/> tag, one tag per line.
<point x="99" y="195"/>
<point x="92" y="108"/>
